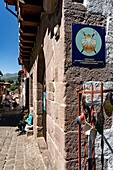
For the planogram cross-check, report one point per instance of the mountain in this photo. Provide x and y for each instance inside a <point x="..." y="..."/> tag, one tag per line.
<point x="7" y="76"/>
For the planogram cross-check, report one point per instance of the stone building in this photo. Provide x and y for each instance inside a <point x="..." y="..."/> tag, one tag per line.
<point x="1" y="91"/>
<point x="45" y="51"/>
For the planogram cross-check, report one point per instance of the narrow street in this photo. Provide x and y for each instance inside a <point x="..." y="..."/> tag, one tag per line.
<point x="17" y="152"/>
<point x="57" y="67"/>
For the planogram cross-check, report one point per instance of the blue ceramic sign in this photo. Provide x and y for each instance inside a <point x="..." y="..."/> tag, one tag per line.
<point x="88" y="45"/>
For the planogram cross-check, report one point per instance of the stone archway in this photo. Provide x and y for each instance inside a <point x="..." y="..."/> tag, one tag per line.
<point x="41" y="91"/>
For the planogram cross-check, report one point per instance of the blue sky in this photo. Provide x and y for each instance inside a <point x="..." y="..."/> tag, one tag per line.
<point x="8" y="41"/>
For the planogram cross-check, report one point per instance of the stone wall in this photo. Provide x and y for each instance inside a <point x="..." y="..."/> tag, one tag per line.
<point x="53" y="50"/>
<point x="55" y="88"/>
<point x="49" y="52"/>
<point x="105" y="8"/>
<point x="91" y="12"/>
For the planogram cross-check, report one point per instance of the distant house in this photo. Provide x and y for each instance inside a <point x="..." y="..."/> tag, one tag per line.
<point x="23" y="94"/>
<point x="4" y="88"/>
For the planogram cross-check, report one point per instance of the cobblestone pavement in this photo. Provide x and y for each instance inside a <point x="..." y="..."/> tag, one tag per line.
<point x="18" y="152"/>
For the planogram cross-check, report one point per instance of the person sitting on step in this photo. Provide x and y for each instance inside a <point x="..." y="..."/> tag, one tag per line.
<point x="23" y="117"/>
<point x="23" y="123"/>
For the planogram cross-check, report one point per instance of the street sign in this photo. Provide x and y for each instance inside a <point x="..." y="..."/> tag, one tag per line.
<point x="88" y="45"/>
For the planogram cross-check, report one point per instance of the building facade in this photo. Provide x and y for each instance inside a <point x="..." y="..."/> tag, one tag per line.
<point x="1" y="91"/>
<point x="45" y="29"/>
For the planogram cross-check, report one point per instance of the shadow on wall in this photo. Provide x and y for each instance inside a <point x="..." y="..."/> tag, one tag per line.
<point x="109" y="146"/>
<point x="54" y="21"/>
<point x="9" y="118"/>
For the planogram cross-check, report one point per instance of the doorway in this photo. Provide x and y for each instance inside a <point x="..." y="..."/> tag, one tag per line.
<point x="41" y="95"/>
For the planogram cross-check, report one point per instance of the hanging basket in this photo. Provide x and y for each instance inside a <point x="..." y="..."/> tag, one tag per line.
<point x="100" y="118"/>
<point x="111" y="97"/>
<point x="108" y="108"/>
<point x="99" y="128"/>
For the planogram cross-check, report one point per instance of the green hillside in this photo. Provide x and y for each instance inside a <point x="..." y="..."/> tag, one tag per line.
<point x="12" y="76"/>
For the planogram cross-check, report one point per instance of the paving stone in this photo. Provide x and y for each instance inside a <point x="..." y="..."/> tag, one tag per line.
<point x="19" y="162"/>
<point x="10" y="162"/>
<point x="18" y="157"/>
<point x="2" y="157"/>
<point x="9" y="167"/>
<point x="11" y="155"/>
<point x="1" y="165"/>
<point x="19" y="168"/>
<point x="19" y="152"/>
<point x="30" y="132"/>
<point x="4" y="151"/>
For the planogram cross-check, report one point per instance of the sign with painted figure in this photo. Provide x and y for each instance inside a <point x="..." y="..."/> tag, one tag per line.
<point x="88" y="45"/>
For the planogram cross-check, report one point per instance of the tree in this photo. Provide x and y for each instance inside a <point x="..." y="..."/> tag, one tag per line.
<point x="2" y="80"/>
<point x="14" y="87"/>
<point x="10" y="81"/>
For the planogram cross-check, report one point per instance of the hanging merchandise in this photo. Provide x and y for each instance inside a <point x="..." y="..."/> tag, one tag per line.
<point x="111" y="97"/>
<point x="92" y="122"/>
<point x="98" y="127"/>
<point x="86" y="127"/>
<point x="85" y="106"/>
<point x="100" y="121"/>
<point x="80" y="118"/>
<point x="93" y="133"/>
<point x="90" y="130"/>
<point x="108" y="108"/>
<point x="100" y="118"/>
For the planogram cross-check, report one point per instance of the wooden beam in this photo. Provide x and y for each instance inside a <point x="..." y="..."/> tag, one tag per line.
<point x="29" y="34"/>
<point x="29" y="23"/>
<point x="26" y="41"/>
<point x="24" y="55"/>
<point x="25" y="51"/>
<point x="25" y="59"/>
<point x="30" y="31"/>
<point x="30" y="9"/>
<point x="10" y="2"/>
<point x="23" y="46"/>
